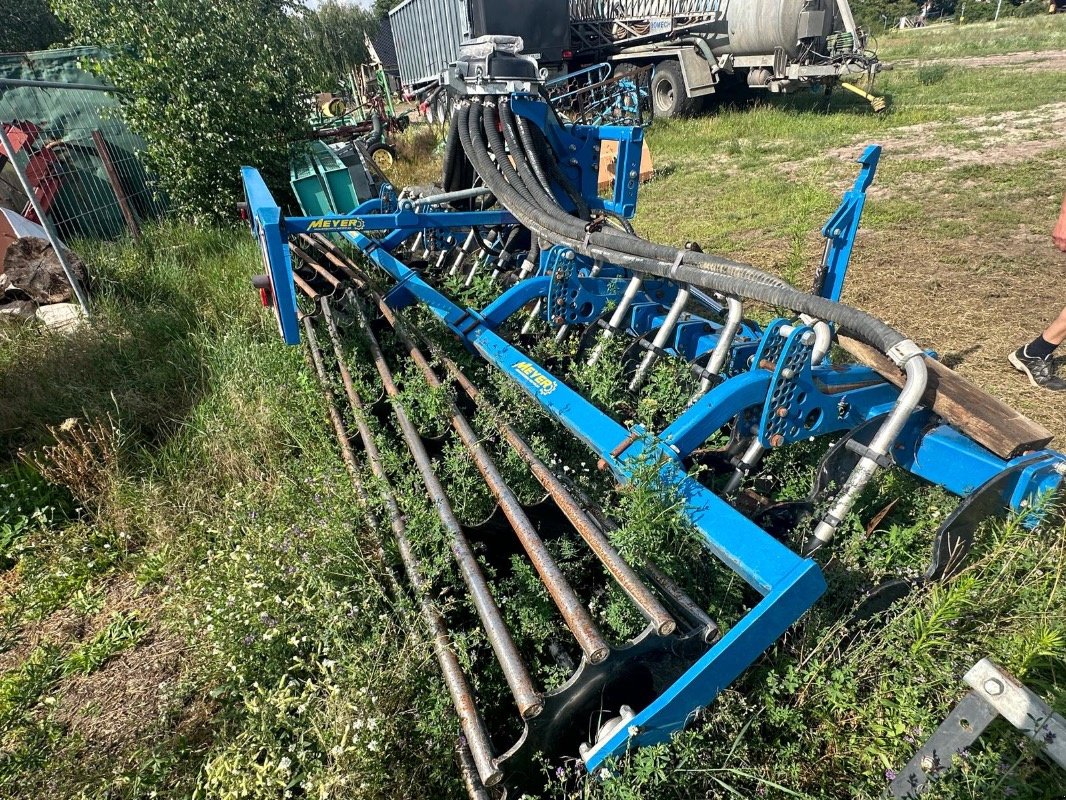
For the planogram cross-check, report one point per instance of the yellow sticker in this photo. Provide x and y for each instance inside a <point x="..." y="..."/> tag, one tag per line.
<point x="354" y="224"/>
<point x="541" y="382"/>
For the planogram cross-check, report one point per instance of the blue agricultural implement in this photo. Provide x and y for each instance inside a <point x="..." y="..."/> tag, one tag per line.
<point x="519" y="211"/>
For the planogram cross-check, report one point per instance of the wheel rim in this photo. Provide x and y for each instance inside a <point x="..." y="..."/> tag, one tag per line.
<point x="664" y="95"/>
<point x="383" y="158"/>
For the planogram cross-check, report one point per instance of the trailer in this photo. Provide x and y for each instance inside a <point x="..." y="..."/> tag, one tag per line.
<point x="698" y="50"/>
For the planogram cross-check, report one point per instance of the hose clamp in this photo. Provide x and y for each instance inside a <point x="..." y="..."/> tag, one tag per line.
<point x="903" y="352"/>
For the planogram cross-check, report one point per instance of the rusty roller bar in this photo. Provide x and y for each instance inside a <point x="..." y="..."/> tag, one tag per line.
<point x="476" y="747"/>
<point x="514" y="670"/>
<point x="624" y="575"/>
<point x="310" y="261"/>
<point x="574" y="613"/>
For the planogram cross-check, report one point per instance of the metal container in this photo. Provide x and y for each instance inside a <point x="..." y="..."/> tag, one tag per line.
<point x="427" y="35"/>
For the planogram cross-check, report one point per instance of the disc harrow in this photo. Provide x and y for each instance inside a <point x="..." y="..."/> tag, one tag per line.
<point x="519" y="220"/>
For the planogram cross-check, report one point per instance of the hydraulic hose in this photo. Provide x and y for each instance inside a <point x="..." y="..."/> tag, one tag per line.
<point x="720" y="275"/>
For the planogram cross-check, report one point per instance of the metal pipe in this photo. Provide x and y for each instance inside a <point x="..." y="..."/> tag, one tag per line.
<point x="449" y="197"/>
<point x="537" y="306"/>
<point x="619" y="569"/>
<point x="619" y="314"/>
<point x="308" y="259"/>
<point x="734" y="317"/>
<point x="699" y="618"/>
<point x="514" y="670"/>
<point x="664" y="333"/>
<point x="477" y="746"/>
<point x="574" y="612"/>
<point x="748" y="460"/>
<point x="877" y="451"/>
<point x="490" y="240"/>
<point x="823" y="338"/>
<point x="466" y="249"/>
<point x="88" y="87"/>
<point x="46" y="223"/>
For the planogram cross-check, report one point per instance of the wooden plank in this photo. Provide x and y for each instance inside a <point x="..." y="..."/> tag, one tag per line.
<point x="116" y="184"/>
<point x="983" y="418"/>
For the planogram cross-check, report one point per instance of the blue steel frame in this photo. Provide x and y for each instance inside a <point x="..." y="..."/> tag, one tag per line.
<point x="841" y="397"/>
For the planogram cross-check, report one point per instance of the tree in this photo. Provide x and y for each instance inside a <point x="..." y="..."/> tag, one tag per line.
<point x="211" y="85"/>
<point x="336" y="40"/>
<point x="28" y="25"/>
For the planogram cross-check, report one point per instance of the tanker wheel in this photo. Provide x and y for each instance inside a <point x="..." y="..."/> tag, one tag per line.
<point x="382" y="154"/>
<point x="668" y="91"/>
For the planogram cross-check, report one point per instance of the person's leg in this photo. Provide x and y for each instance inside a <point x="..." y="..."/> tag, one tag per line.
<point x="1034" y="359"/>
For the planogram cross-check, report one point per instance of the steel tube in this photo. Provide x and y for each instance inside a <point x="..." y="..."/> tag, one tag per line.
<point x="478" y="745"/>
<point x="574" y="613"/>
<point x="624" y="575"/>
<point x="514" y="670"/>
<point x="699" y="618"/>
<point x="617" y="317"/>
<point x="448" y="197"/>
<point x="664" y="332"/>
<point x="909" y="397"/>
<point x="734" y="317"/>
<point x="465" y="250"/>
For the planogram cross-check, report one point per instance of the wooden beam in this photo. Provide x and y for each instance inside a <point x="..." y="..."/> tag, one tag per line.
<point x="983" y="418"/>
<point x="116" y="185"/>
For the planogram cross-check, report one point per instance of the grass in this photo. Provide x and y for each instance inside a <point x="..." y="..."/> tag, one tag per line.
<point x="192" y="603"/>
<point x="951" y="40"/>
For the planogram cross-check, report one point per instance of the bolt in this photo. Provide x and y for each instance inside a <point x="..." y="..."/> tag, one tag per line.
<point x="782" y="412"/>
<point x="632" y="173"/>
<point x="788" y="374"/>
<point x="994" y="687"/>
<point x="569" y="255"/>
<point x="574" y="162"/>
<point x="777" y="440"/>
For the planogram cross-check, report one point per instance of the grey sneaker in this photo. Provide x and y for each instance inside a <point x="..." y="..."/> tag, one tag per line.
<point x="1040" y="371"/>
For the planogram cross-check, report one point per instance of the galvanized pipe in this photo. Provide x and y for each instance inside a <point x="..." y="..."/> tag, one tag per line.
<point x="447" y="197"/>
<point x="734" y="317"/>
<point x="661" y="336"/>
<point x="748" y="460"/>
<point x="514" y="670"/>
<point x="617" y="317"/>
<point x="623" y="574"/>
<point x="489" y="241"/>
<point x="477" y="745"/>
<point x="466" y="249"/>
<point x="574" y="613"/>
<point x="877" y="451"/>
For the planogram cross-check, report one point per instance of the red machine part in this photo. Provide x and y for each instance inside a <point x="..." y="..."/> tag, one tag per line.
<point x="43" y="169"/>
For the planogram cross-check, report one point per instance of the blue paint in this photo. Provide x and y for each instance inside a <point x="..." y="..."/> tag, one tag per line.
<point x="768" y="379"/>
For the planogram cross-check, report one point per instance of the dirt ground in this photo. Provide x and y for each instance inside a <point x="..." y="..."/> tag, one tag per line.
<point x="1054" y="60"/>
<point x="974" y="297"/>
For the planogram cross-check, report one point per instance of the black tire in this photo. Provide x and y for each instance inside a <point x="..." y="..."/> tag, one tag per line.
<point x="668" y="94"/>
<point x="382" y="154"/>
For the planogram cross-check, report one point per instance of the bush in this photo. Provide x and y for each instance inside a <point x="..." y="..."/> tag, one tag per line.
<point x="210" y="84"/>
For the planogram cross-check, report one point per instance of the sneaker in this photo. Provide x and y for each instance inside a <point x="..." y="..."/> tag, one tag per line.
<point x="1041" y="371"/>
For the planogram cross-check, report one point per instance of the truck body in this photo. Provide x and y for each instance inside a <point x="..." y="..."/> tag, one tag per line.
<point x="698" y="48"/>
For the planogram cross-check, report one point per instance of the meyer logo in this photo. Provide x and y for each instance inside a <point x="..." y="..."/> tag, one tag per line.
<point x="543" y="384"/>
<point x="354" y="224"/>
